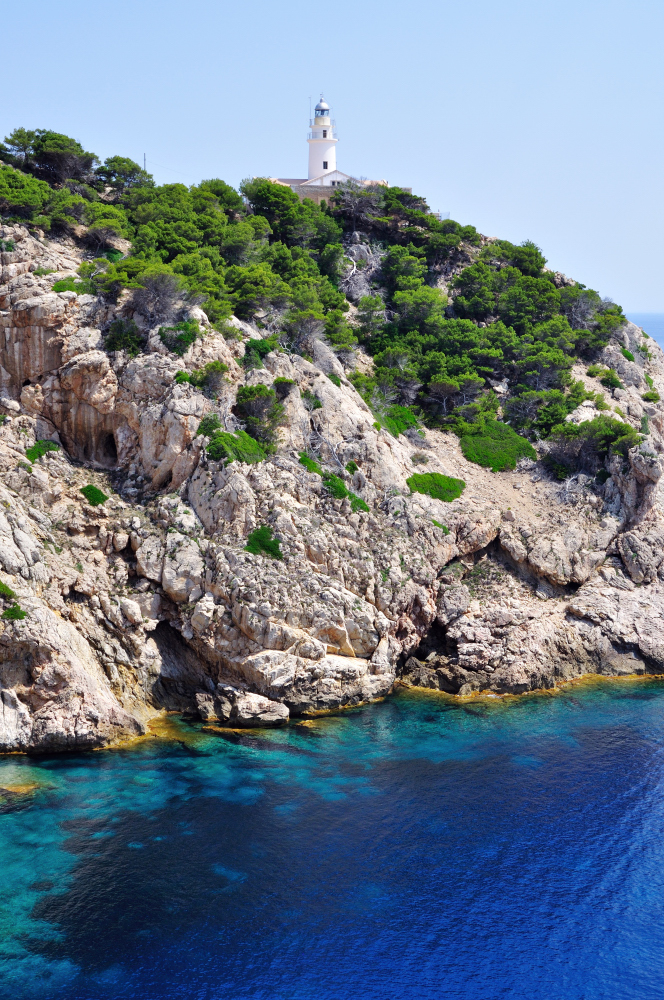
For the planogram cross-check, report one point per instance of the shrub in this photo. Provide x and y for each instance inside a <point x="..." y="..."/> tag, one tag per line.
<point x="338" y="489"/>
<point x="443" y="527"/>
<point x="39" y="449"/>
<point x="610" y="379"/>
<point x="209" y="424"/>
<point x="398" y="419"/>
<point x="123" y="335"/>
<point x="283" y="386"/>
<point x="179" y="338"/>
<point x="311" y="402"/>
<point x="13" y="614"/>
<point x="262" y="412"/>
<point x="352" y="467"/>
<point x="257" y="349"/>
<point x="586" y="445"/>
<point x="419" y="458"/>
<point x="262" y="542"/>
<point x="238" y="447"/>
<point x="496" y="446"/>
<point x="435" y="485"/>
<point x="207" y="377"/>
<point x="607" y="376"/>
<point x="41" y="272"/>
<point x="310" y="465"/>
<point x="72" y="284"/>
<point x="6" y="592"/>
<point x="649" y="380"/>
<point x="7" y="246"/>
<point x="158" y="295"/>
<point x="93" y="495"/>
<point x="652" y="396"/>
<point x="626" y="354"/>
<point x="334" y="378"/>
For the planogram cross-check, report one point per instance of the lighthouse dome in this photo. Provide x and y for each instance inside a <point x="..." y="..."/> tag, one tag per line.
<point x="322" y="107"/>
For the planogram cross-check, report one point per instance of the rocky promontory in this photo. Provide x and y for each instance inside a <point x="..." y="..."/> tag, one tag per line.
<point x="149" y="600"/>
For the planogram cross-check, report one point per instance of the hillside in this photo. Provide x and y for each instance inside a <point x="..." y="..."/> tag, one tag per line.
<point x="261" y="457"/>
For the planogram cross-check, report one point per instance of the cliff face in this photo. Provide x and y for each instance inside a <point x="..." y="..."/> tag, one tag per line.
<point x="150" y="600"/>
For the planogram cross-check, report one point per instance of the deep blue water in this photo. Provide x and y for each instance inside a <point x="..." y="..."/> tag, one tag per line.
<point x="412" y="849"/>
<point x="652" y="323"/>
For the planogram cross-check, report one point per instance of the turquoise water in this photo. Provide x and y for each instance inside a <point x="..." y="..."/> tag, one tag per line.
<point x="412" y="849"/>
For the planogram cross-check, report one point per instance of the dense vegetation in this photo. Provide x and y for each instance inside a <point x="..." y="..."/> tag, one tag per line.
<point x="264" y="255"/>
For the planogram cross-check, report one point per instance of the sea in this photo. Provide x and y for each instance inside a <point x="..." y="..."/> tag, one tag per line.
<point x="420" y="847"/>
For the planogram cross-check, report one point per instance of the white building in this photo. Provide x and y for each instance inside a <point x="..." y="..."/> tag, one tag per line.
<point x="323" y="173"/>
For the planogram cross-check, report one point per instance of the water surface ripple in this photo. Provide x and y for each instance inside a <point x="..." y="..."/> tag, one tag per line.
<point x="412" y="849"/>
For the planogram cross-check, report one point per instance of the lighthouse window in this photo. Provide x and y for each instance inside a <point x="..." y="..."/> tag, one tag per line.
<point x="324" y="164"/>
<point x="325" y="133"/>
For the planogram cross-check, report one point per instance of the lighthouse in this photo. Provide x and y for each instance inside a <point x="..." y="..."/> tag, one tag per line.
<point x="323" y="173"/>
<point x="322" y="142"/>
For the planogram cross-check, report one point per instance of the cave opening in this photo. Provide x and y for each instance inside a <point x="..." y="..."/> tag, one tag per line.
<point x="26" y="381"/>
<point x="109" y="449"/>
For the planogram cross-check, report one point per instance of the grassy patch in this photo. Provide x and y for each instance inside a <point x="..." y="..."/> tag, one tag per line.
<point x="497" y="446"/>
<point x="352" y="467"/>
<point x="443" y="527"/>
<point x="237" y="447"/>
<point x="6" y="592"/>
<point x="626" y="354"/>
<point x="180" y="337"/>
<point x="39" y="449"/>
<point x="334" y="378"/>
<point x="435" y="485"/>
<point x="93" y="495"/>
<point x="262" y="542"/>
<point x="310" y="465"/>
<point x="14" y="614"/>
<point x="398" y="419"/>
<point x="652" y="396"/>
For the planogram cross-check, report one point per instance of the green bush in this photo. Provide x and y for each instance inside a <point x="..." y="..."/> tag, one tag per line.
<point x="7" y="246"/>
<point x="238" y="447"/>
<point x="310" y="465"/>
<point x="260" y="409"/>
<point x="203" y="378"/>
<point x="13" y="614"/>
<point x="93" y="495"/>
<point x="587" y="445"/>
<point x="338" y="489"/>
<point x="435" y="485"/>
<point x="6" y="592"/>
<point x="626" y="354"/>
<point x="652" y="396"/>
<point x="443" y="527"/>
<point x="261" y="542"/>
<point x="123" y="335"/>
<point x="334" y="378"/>
<point x="649" y="380"/>
<point x="256" y="349"/>
<point x="397" y="419"/>
<point x="283" y="386"/>
<point x="39" y="449"/>
<point x="610" y="379"/>
<point x="209" y="424"/>
<point x="180" y="337"/>
<point x="311" y="402"/>
<point x="352" y="467"/>
<point x="497" y="446"/>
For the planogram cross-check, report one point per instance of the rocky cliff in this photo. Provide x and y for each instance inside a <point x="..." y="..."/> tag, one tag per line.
<point x="151" y="601"/>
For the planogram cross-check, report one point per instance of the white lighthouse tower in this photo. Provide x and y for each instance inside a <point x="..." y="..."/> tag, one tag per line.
<point x="323" y="173"/>
<point x="322" y="142"/>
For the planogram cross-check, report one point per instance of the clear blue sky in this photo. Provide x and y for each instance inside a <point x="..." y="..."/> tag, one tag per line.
<point x="529" y="120"/>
